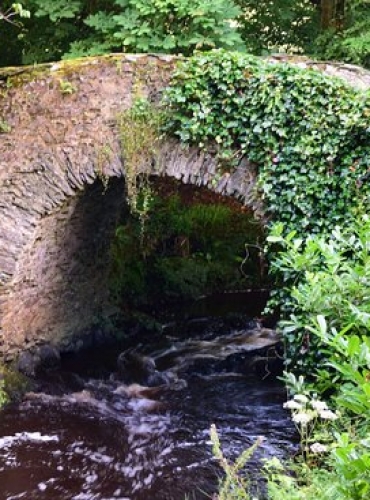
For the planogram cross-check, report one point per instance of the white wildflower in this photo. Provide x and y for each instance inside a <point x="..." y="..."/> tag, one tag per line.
<point x="302" y="418"/>
<point x="318" y="448"/>
<point x="301" y="398"/>
<point x="319" y="405"/>
<point x="328" y="415"/>
<point x="292" y="405"/>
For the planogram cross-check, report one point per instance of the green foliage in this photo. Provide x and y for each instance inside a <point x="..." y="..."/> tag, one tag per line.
<point x="48" y="34"/>
<point x="166" y="26"/>
<point x="186" y="250"/>
<point x="351" y="42"/>
<point x="290" y="26"/>
<point x="351" y="462"/>
<point x="286" y="25"/>
<point x="339" y="469"/>
<point x="346" y="372"/>
<point x="3" y="394"/>
<point x="12" y="385"/>
<point x="74" y="28"/>
<point x="183" y="279"/>
<point x="14" y="16"/>
<point x="308" y="134"/>
<point x="330" y="304"/>
<point x="57" y="10"/>
<point x="16" y="9"/>
<point x="345" y="475"/>
<point x="80" y="27"/>
<point x="235" y="484"/>
<point x="300" y="482"/>
<point x="346" y="479"/>
<point x="128" y="273"/>
<point x="323" y="275"/>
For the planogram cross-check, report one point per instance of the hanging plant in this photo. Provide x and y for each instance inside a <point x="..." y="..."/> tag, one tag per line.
<point x="140" y="137"/>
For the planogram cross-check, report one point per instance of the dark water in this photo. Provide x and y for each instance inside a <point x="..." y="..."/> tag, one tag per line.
<point x="85" y="437"/>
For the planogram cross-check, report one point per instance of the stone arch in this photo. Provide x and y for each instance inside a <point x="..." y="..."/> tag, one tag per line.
<point x="60" y="148"/>
<point x="52" y="287"/>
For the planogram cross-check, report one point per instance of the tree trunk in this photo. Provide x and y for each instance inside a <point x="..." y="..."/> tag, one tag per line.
<point x="340" y="8"/>
<point x="332" y="14"/>
<point x="327" y="13"/>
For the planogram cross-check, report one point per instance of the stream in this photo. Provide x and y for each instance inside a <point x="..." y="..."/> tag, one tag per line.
<point x="90" y="431"/>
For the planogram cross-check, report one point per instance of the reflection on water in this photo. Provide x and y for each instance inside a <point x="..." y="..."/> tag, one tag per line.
<point x="101" y="439"/>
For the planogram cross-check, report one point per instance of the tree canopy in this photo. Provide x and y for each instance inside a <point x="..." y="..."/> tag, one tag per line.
<point x="335" y="29"/>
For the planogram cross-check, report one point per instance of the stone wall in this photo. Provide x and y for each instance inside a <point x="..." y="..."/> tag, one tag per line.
<point x="56" y="218"/>
<point x="60" y="285"/>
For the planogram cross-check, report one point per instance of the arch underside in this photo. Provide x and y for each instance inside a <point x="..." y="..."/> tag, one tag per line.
<point x="58" y="224"/>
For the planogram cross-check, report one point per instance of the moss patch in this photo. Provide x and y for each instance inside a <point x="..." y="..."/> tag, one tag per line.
<point x="14" y="384"/>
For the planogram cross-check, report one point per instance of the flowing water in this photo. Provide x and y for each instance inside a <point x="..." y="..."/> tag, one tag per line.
<point x="83" y="433"/>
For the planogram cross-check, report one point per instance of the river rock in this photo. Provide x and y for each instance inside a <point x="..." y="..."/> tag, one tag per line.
<point x="27" y="364"/>
<point x="48" y="357"/>
<point x="43" y="358"/>
<point x="136" y="368"/>
<point x="133" y="367"/>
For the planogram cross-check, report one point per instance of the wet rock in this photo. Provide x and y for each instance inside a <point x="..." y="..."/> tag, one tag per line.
<point x="134" y="367"/>
<point x="48" y="358"/>
<point x="92" y="337"/>
<point x="27" y="364"/>
<point x="43" y="358"/>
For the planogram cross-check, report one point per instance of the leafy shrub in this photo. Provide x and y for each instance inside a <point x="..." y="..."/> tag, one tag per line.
<point x="346" y="371"/>
<point x="323" y="275"/>
<point x="337" y="463"/>
<point x="345" y="476"/>
<point x="309" y="136"/>
<point x="179" y="278"/>
<point x="351" y="462"/>
<point x="328" y="281"/>
<point x="13" y="384"/>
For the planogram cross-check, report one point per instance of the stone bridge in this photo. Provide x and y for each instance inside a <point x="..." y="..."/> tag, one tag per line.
<point x="59" y="147"/>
